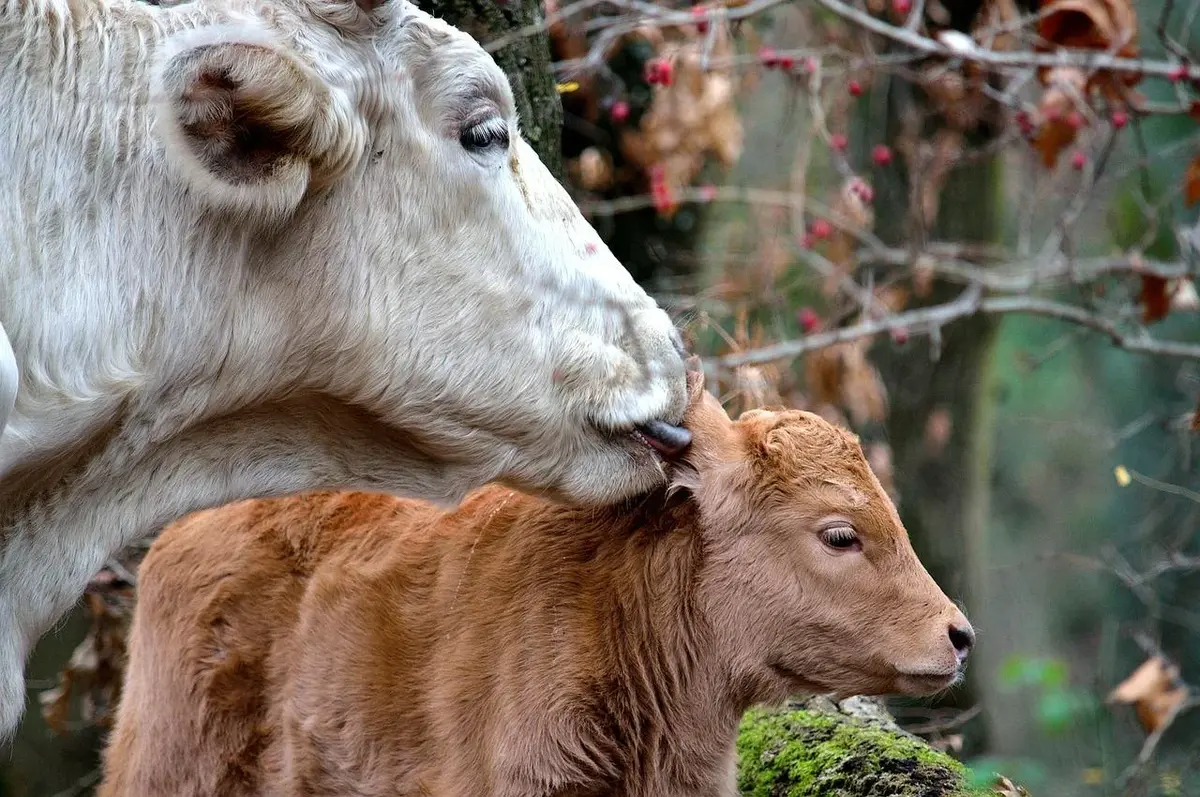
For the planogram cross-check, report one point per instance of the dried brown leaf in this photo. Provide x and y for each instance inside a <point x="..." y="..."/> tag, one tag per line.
<point x="1191" y="182"/>
<point x="1155" y="300"/>
<point x="1006" y="788"/>
<point x="1109" y="25"/>
<point x="593" y="169"/>
<point x="1154" y="690"/>
<point x="94" y="673"/>
<point x="690" y="121"/>
<point x="842" y="376"/>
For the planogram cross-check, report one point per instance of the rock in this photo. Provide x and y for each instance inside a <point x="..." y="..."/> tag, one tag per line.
<point x="848" y="749"/>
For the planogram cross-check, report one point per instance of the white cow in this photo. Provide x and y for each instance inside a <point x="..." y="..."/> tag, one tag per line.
<point x="249" y="248"/>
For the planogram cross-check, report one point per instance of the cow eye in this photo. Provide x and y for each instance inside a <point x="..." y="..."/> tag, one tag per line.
<point x="841" y="538"/>
<point x="485" y="136"/>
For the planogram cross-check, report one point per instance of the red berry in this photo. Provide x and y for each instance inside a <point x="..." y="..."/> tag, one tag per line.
<point x="863" y="190"/>
<point x="881" y="154"/>
<point x="808" y="318"/>
<point x="855" y="88"/>
<point x="1075" y="120"/>
<point x="838" y="142"/>
<point x="768" y="57"/>
<point x="822" y="229"/>
<point x="1024" y="122"/>
<point x="900" y="335"/>
<point x="659" y="70"/>
<point x="666" y="73"/>
<point x="701" y="15"/>
<point x="1177" y="73"/>
<point x="1079" y="160"/>
<point x="619" y="112"/>
<point x="1120" y="119"/>
<point x="786" y="62"/>
<point x="662" y="196"/>
<point x="902" y="6"/>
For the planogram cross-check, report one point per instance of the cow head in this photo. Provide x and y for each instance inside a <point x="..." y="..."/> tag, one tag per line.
<point x="810" y="577"/>
<point x="406" y="252"/>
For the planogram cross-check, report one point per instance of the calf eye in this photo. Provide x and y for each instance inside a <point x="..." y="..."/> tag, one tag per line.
<point x="484" y="136"/>
<point x="841" y="538"/>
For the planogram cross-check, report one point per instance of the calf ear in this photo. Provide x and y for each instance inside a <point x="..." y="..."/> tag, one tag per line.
<point x="713" y="442"/>
<point x="247" y="125"/>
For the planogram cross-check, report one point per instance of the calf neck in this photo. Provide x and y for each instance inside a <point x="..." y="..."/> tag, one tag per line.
<point x="357" y="644"/>
<point x="251" y="248"/>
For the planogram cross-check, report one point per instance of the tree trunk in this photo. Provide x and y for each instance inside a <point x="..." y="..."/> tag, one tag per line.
<point x="945" y="489"/>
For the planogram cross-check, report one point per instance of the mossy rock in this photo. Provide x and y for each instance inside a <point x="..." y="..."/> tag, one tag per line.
<point x="852" y="749"/>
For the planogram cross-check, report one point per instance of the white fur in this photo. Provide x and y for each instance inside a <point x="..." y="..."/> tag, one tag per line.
<point x="384" y="310"/>
<point x="9" y="378"/>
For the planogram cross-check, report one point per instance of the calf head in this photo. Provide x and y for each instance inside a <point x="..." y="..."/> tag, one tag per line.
<point x="410" y="248"/>
<point x="810" y="580"/>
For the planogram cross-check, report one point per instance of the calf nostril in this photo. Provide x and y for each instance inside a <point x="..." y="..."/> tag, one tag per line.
<point x="962" y="637"/>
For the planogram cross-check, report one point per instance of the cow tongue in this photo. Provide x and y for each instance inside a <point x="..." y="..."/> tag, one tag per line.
<point x="668" y="440"/>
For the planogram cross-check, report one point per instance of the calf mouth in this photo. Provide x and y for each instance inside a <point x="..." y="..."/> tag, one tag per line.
<point x="927" y="683"/>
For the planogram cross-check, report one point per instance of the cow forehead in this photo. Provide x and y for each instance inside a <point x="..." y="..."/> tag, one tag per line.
<point x="448" y="65"/>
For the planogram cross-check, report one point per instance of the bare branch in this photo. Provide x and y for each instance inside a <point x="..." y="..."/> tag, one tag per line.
<point x="968" y="304"/>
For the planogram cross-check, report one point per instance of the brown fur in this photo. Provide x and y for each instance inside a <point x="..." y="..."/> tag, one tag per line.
<point x="359" y="644"/>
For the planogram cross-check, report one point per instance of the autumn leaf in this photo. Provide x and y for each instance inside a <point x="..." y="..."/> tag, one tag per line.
<point x="842" y="376"/>
<point x="1006" y="788"/>
<point x="1091" y="24"/>
<point x="1155" y="301"/>
<point x="1191" y="182"/>
<point x="1106" y="25"/>
<point x="1154" y="690"/>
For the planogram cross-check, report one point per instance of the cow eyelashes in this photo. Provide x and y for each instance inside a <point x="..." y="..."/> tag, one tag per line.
<point x="485" y="136"/>
<point x="841" y="538"/>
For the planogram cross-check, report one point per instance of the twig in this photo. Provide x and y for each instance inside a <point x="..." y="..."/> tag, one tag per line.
<point x="1151" y="743"/>
<point x="968" y="304"/>
<point x="1082" y="59"/>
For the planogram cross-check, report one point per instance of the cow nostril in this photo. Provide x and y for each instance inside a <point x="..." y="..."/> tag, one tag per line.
<point x="962" y="637"/>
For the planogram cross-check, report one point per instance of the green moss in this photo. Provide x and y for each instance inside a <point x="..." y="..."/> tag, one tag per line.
<point x="818" y="748"/>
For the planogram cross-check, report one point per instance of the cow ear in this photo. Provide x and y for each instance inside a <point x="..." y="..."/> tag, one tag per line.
<point x="247" y="125"/>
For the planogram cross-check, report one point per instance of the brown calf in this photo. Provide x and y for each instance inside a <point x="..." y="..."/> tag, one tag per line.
<point x="358" y="644"/>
